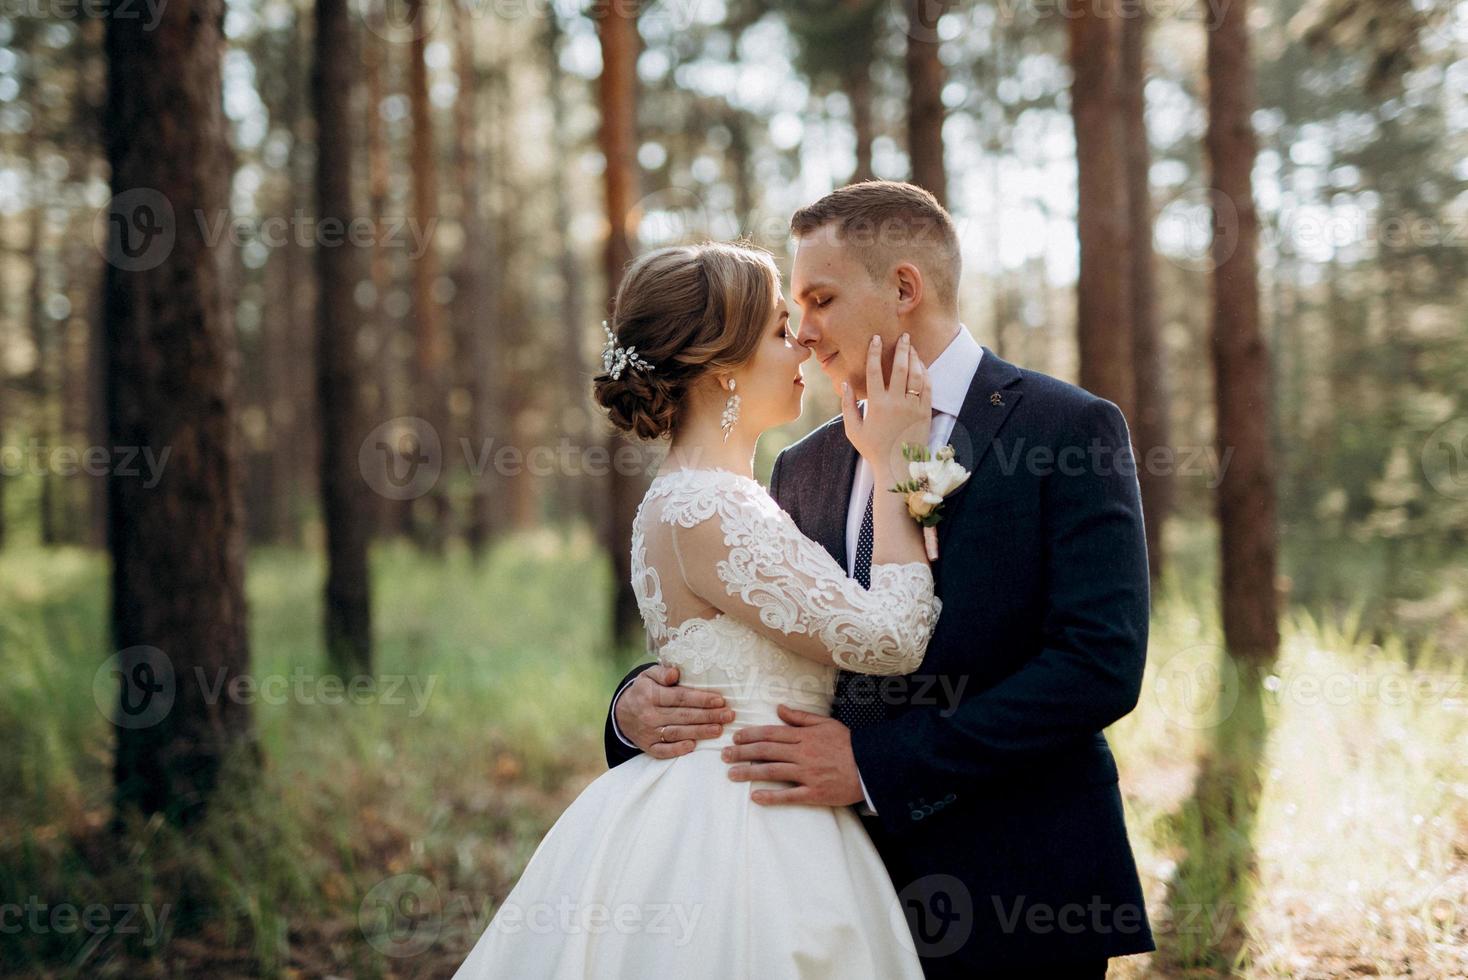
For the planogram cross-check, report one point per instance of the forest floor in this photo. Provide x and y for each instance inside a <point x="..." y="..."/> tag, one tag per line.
<point x="380" y="834"/>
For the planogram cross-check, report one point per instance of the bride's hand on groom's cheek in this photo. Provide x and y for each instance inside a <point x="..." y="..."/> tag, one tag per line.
<point x="663" y="719"/>
<point x="810" y="750"/>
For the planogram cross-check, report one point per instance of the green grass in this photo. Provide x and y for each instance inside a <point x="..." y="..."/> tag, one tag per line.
<point x="1339" y="844"/>
<point x="501" y="670"/>
<point x="1314" y="823"/>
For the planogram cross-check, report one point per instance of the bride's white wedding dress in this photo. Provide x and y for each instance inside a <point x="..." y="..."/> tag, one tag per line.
<point x="665" y="869"/>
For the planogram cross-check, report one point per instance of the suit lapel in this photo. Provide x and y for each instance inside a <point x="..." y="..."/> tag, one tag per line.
<point x="978" y="423"/>
<point x="832" y="488"/>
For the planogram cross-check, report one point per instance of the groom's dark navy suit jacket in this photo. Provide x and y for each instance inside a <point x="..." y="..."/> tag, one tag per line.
<point x="998" y="811"/>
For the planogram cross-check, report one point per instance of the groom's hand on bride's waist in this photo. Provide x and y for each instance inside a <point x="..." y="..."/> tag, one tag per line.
<point x="810" y="750"/>
<point x="663" y="719"/>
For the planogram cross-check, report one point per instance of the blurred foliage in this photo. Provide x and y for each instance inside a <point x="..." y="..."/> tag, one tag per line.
<point x="1361" y="183"/>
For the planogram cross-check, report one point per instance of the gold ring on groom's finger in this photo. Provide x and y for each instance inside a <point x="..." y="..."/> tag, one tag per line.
<point x="662" y="734"/>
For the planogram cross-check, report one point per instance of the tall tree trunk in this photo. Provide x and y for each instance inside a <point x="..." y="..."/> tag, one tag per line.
<point x="94" y="102"/>
<point x="177" y="546"/>
<point x="97" y="424"/>
<point x="997" y="148"/>
<point x="281" y="399"/>
<point x="392" y="516"/>
<point x="508" y="410"/>
<point x="71" y="387"/>
<point x="742" y="166"/>
<point x="617" y="92"/>
<point x="41" y="335"/>
<point x="1103" y="307"/>
<point x="4" y="380"/>
<point x="925" y="77"/>
<point x="998" y="300"/>
<point x="858" y="87"/>
<point x="346" y="509"/>
<point x="1246" y="494"/>
<point x="1150" y="429"/>
<point x="474" y="299"/>
<point x="427" y="314"/>
<point x="578" y="496"/>
<point x="284" y="399"/>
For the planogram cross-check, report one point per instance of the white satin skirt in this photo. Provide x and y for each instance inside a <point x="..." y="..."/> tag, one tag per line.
<point x="666" y="870"/>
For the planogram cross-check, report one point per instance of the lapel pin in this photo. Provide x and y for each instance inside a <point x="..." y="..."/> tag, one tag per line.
<point x="996" y="399"/>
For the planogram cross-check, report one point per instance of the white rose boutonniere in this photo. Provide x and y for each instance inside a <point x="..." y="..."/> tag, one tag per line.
<point x="931" y="477"/>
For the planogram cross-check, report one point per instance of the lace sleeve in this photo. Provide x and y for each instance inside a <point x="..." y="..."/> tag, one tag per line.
<point x="743" y="554"/>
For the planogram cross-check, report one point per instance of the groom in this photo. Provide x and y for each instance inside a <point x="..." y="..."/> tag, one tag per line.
<point x="984" y="778"/>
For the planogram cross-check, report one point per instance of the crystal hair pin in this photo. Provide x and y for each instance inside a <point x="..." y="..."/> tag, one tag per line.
<point x="614" y="359"/>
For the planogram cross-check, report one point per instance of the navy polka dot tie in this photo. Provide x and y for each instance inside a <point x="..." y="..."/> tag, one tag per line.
<point x="858" y="699"/>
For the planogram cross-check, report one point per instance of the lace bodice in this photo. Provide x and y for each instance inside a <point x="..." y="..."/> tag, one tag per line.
<point x="725" y="581"/>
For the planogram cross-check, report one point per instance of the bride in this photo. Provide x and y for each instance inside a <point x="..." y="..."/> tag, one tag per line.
<point x="665" y="868"/>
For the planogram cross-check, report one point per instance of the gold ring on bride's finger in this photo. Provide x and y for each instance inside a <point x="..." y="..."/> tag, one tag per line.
<point x="911" y="392"/>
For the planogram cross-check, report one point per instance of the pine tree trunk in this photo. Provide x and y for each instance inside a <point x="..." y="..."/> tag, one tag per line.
<point x="925" y="78"/>
<point x="858" y="87"/>
<point x="474" y="299"/>
<point x="41" y="340"/>
<point x="742" y="165"/>
<point x="578" y="499"/>
<point x="618" y="96"/>
<point x="391" y="516"/>
<point x="1150" y="429"/>
<point x="93" y="102"/>
<point x="178" y="546"/>
<point x="276" y="397"/>
<point x="73" y="393"/>
<point x="998" y="301"/>
<point x="97" y="424"/>
<point x="4" y="381"/>
<point x="293" y="457"/>
<point x="1103" y="306"/>
<point x="427" y="314"/>
<point x="1246" y="495"/>
<point x="346" y="508"/>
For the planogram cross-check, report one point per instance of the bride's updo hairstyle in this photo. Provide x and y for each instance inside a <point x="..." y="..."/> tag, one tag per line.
<point x="688" y="310"/>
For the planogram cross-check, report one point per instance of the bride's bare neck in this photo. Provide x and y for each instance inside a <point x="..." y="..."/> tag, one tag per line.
<point x="699" y="444"/>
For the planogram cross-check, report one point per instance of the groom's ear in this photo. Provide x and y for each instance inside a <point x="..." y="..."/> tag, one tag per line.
<point x="909" y="287"/>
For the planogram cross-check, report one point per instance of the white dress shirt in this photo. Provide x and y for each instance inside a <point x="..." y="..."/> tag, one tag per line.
<point x="951" y="374"/>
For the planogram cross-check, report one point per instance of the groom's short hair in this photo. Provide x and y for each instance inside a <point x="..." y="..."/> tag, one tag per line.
<point x="885" y="222"/>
